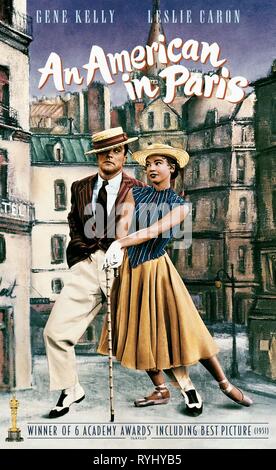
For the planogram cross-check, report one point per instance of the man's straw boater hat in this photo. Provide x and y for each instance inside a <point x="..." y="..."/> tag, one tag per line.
<point x="109" y="139"/>
<point x="177" y="154"/>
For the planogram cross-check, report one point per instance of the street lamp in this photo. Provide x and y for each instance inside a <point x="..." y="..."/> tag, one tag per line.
<point x="218" y="283"/>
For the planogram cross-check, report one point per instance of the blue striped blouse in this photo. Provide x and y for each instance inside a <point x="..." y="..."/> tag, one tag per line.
<point x="151" y="205"/>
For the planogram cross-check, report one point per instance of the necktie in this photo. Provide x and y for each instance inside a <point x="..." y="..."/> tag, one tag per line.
<point x="101" y="209"/>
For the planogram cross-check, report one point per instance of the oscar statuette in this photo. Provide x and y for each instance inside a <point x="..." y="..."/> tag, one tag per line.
<point x="14" y="433"/>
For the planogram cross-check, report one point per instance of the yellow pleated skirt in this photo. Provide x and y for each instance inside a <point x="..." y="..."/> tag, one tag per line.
<point x="155" y="324"/>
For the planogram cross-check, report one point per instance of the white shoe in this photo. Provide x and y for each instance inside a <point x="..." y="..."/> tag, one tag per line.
<point x="67" y="397"/>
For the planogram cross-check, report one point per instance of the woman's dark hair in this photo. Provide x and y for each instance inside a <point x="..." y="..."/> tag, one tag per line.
<point x="173" y="162"/>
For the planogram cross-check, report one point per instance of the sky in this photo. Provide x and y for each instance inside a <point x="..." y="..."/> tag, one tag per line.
<point x="249" y="46"/>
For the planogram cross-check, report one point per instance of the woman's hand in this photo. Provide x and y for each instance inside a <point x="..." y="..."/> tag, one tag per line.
<point x="113" y="256"/>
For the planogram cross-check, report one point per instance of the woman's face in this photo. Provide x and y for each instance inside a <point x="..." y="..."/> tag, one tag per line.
<point x="158" y="170"/>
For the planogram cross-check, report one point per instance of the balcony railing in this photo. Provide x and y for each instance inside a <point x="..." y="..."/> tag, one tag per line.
<point x="8" y="115"/>
<point x="18" y="21"/>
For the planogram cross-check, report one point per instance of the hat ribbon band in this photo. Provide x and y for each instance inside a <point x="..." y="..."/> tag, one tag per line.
<point x="118" y="139"/>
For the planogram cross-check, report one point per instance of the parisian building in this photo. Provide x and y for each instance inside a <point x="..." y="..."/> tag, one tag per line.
<point x="262" y="324"/>
<point x="16" y="211"/>
<point x="62" y="127"/>
<point x="57" y="161"/>
<point x="83" y="112"/>
<point x="219" y="181"/>
<point x="153" y="120"/>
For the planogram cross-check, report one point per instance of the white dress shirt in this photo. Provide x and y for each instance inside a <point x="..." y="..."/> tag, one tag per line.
<point x="112" y="190"/>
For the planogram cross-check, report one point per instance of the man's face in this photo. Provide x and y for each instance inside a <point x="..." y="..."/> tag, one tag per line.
<point x="111" y="162"/>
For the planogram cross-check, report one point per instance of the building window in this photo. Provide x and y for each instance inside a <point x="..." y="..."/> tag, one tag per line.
<point x="243" y="210"/>
<point x="244" y="134"/>
<point x="240" y="169"/>
<point x="180" y="90"/>
<point x="273" y="117"/>
<point x="58" y="153"/>
<point x="208" y="138"/>
<point x="167" y="120"/>
<point x="150" y="120"/>
<point x="274" y="205"/>
<point x="213" y="168"/>
<point x="189" y="257"/>
<point x="4" y="134"/>
<point x="58" y="248"/>
<point x="57" y="285"/>
<point x="4" y="86"/>
<point x="271" y="271"/>
<point x="2" y="249"/>
<point x="211" y="254"/>
<point x="185" y="116"/>
<point x="193" y="211"/>
<point x="196" y="171"/>
<point x="4" y="95"/>
<point x="211" y="117"/>
<point x="274" y="271"/>
<point x="241" y="259"/>
<point x="214" y="211"/>
<point x="3" y="174"/>
<point x="6" y="11"/>
<point x="60" y="195"/>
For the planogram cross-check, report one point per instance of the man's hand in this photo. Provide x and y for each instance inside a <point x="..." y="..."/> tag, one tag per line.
<point x="114" y="256"/>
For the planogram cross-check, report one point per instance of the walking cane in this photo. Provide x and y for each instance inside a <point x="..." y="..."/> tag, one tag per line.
<point x="109" y="329"/>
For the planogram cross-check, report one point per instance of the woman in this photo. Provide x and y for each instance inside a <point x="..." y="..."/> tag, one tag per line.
<point x="156" y="326"/>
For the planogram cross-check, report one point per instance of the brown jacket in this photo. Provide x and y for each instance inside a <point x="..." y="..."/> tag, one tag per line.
<point x="80" y="247"/>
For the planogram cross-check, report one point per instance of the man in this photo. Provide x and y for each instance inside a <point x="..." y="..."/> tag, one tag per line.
<point x="96" y="205"/>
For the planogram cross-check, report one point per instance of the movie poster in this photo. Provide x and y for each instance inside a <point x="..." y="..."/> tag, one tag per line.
<point x="198" y="76"/>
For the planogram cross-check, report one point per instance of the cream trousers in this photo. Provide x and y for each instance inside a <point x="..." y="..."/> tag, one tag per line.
<point x="77" y="305"/>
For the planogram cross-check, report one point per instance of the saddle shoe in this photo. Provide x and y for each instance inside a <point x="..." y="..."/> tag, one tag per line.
<point x="67" y="397"/>
<point x="193" y="401"/>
